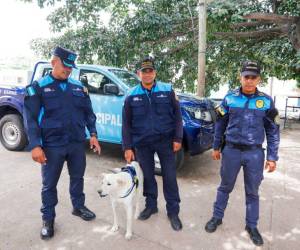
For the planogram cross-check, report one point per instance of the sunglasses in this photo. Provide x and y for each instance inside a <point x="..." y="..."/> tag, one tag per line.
<point x="251" y="77"/>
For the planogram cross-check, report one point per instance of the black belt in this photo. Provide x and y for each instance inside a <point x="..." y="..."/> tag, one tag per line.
<point x="243" y="147"/>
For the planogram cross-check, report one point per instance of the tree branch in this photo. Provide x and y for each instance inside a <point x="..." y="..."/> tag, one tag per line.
<point x="251" y="34"/>
<point x="178" y="48"/>
<point x="249" y="24"/>
<point x="271" y="17"/>
<point x="169" y="37"/>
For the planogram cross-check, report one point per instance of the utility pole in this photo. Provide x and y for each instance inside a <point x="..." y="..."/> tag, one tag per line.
<point x="201" y="48"/>
<point x="271" y="86"/>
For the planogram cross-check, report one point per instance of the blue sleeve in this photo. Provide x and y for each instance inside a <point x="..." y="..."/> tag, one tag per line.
<point x="272" y="133"/>
<point x="32" y="109"/>
<point x="126" y="126"/>
<point x="90" y="118"/>
<point x="178" y="118"/>
<point x="221" y="124"/>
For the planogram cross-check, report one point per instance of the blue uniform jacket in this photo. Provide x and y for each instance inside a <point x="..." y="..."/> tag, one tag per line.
<point x="245" y="120"/>
<point x="148" y="115"/>
<point x="57" y="112"/>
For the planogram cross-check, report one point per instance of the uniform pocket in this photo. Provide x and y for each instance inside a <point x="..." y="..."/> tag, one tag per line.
<point x="162" y="105"/>
<point x="51" y="101"/>
<point x="51" y="124"/>
<point x="138" y="108"/>
<point x="79" y="99"/>
<point x="257" y="119"/>
<point x="51" y="130"/>
<point x="259" y="113"/>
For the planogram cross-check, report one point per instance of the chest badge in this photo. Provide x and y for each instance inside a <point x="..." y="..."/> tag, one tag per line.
<point x="259" y="103"/>
<point x="161" y="96"/>
<point x="46" y="90"/>
<point x="137" y="99"/>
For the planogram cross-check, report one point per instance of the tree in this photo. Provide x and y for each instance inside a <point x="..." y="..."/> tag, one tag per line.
<point x="167" y="29"/>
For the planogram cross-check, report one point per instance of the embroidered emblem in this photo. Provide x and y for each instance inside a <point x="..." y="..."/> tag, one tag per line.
<point x="77" y="89"/>
<point x="220" y="110"/>
<point x="72" y="57"/>
<point x="161" y="96"/>
<point x="136" y="99"/>
<point x="259" y="104"/>
<point x="48" y="90"/>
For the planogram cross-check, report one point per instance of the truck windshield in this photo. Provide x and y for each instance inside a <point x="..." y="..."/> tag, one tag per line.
<point x="128" y="78"/>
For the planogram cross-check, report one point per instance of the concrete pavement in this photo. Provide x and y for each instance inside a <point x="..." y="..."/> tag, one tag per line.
<point x="20" y="220"/>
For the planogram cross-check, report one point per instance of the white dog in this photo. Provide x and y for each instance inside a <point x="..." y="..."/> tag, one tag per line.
<point x="125" y="186"/>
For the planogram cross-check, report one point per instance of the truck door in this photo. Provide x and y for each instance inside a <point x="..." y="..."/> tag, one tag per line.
<point x="107" y="107"/>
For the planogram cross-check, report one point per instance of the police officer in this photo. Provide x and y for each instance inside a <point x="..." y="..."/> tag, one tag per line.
<point x="245" y="116"/>
<point x="152" y="123"/>
<point x="57" y="110"/>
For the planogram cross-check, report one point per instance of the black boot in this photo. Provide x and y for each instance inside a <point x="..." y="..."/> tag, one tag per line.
<point x="147" y="212"/>
<point x="84" y="213"/>
<point x="212" y="224"/>
<point x="175" y="222"/>
<point x="47" y="230"/>
<point x="255" y="236"/>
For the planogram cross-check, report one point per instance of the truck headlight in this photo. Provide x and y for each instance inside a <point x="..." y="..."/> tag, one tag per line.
<point x="199" y="114"/>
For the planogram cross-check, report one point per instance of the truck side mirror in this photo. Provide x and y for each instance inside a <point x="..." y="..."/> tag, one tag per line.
<point x="84" y="80"/>
<point x="111" y="89"/>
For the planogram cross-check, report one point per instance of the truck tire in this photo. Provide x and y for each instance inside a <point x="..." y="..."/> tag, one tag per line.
<point x="179" y="160"/>
<point x="12" y="133"/>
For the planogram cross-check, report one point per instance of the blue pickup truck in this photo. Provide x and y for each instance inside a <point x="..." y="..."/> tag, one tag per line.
<point x="107" y="87"/>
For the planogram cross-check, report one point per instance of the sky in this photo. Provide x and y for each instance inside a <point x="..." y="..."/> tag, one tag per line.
<point x="20" y="23"/>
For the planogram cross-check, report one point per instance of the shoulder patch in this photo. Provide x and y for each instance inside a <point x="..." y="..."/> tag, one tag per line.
<point x="220" y="110"/>
<point x="30" y="91"/>
<point x="273" y="115"/>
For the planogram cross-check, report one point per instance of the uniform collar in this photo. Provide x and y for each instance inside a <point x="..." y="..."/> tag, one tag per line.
<point x="153" y="86"/>
<point x="249" y="95"/>
<point x="58" y="80"/>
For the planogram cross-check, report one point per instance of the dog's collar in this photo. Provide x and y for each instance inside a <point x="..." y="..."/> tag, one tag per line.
<point x="135" y="182"/>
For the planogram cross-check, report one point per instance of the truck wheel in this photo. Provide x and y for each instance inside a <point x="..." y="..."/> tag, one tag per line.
<point x="179" y="160"/>
<point x="12" y="133"/>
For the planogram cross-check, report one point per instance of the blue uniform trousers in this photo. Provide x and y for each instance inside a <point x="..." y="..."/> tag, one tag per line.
<point x="74" y="155"/>
<point x="145" y="156"/>
<point x="253" y="163"/>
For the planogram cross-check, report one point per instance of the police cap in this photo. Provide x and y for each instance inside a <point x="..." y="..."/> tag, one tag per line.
<point x="67" y="57"/>
<point x="250" y="68"/>
<point x="147" y="63"/>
